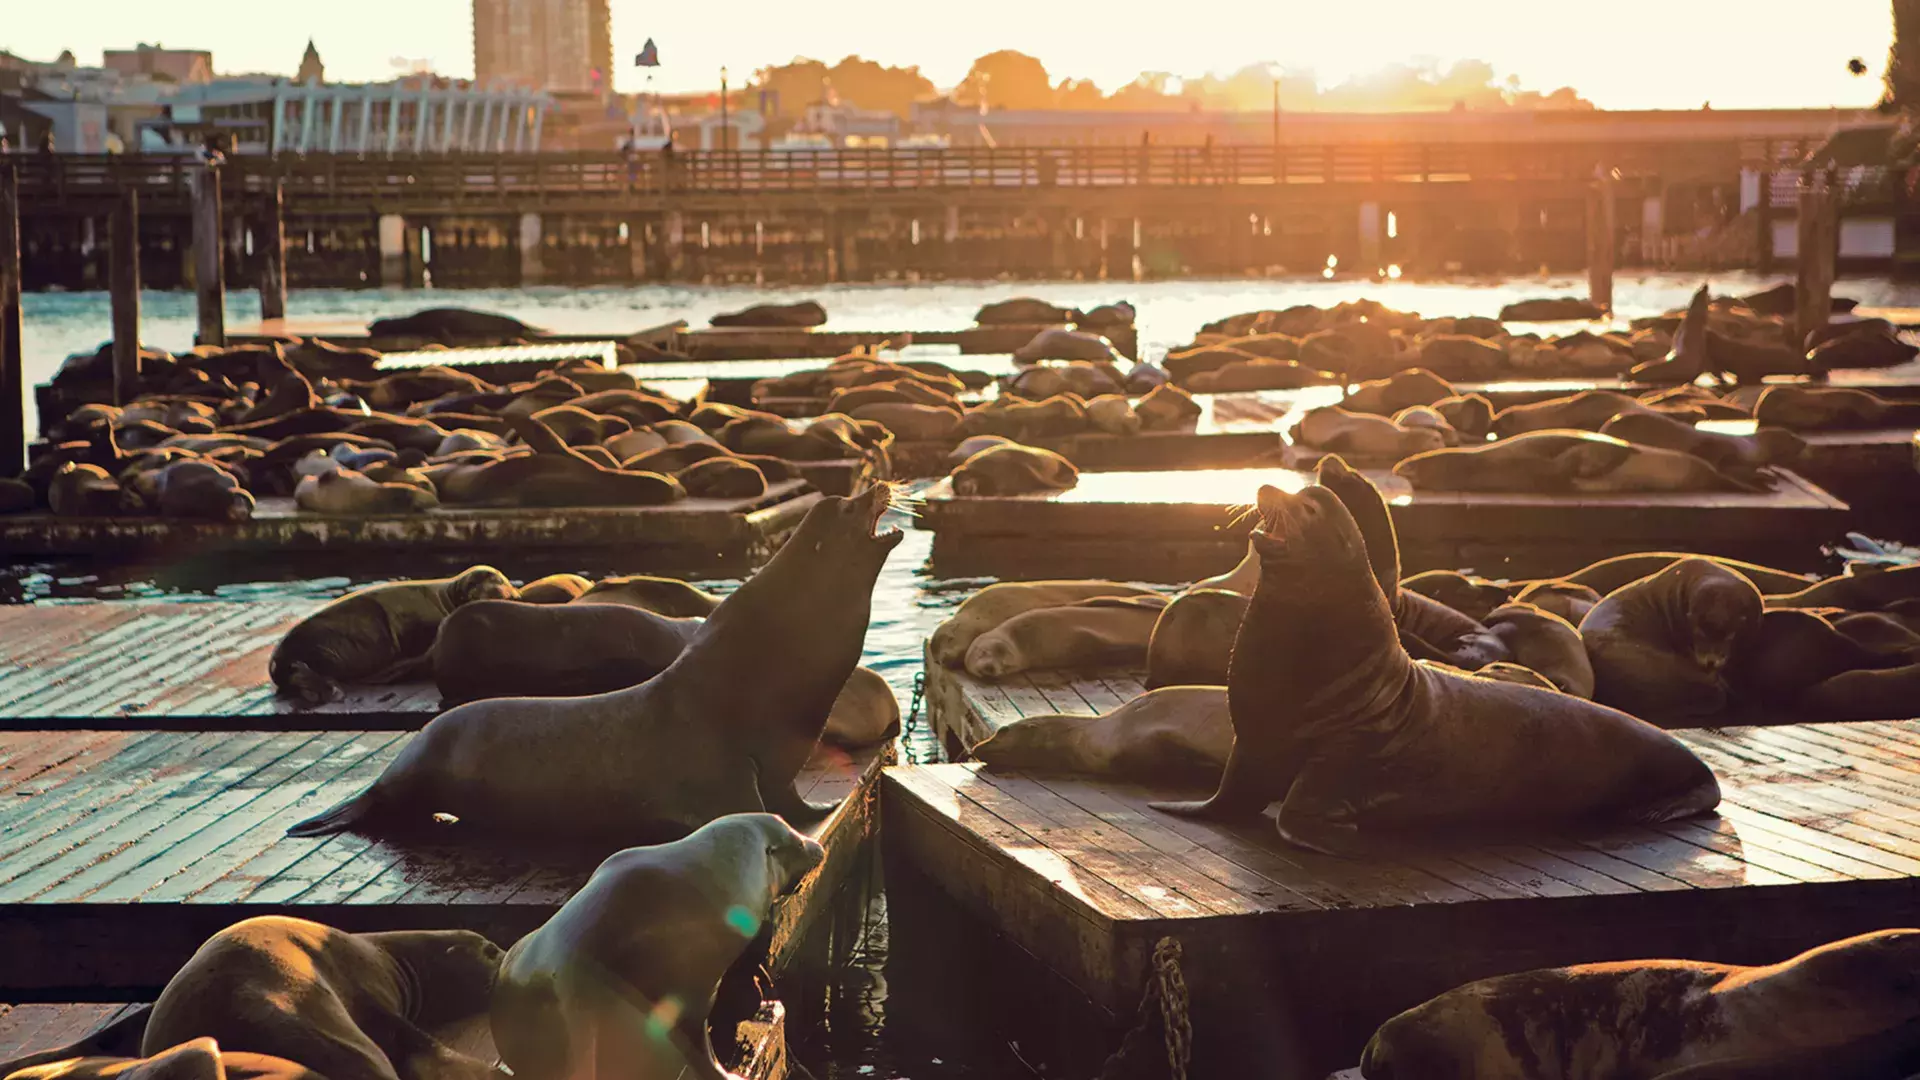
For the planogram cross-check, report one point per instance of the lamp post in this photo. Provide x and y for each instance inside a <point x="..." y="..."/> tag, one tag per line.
<point x="725" y="131"/>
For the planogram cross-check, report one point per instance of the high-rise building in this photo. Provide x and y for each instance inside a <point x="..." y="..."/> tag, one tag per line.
<point x="557" y="45"/>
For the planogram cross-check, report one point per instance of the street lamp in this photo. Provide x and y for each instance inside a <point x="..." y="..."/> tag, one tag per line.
<point x="725" y="131"/>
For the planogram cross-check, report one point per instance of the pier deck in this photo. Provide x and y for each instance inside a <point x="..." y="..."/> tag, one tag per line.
<point x="180" y="666"/>
<point x="1181" y="526"/>
<point x="124" y="850"/>
<point x="1297" y="957"/>
<point x="690" y="534"/>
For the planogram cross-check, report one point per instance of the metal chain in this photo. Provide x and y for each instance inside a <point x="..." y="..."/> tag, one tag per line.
<point x="919" y="694"/>
<point x="1173" y="1007"/>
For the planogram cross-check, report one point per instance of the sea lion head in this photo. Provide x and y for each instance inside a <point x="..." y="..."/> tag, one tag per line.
<point x="790" y="855"/>
<point x="1311" y="527"/>
<point x="1590" y="459"/>
<point x="850" y="525"/>
<point x="480" y="583"/>
<point x="1720" y="608"/>
<point x="1448" y="1038"/>
<point x="446" y="975"/>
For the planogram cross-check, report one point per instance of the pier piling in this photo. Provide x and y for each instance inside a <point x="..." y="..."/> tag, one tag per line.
<point x="13" y="378"/>
<point x="393" y="251"/>
<point x="1819" y="249"/>
<point x="1603" y="244"/>
<point x="533" y="268"/>
<point x="123" y="273"/>
<point x="271" y="239"/>
<point x="209" y="257"/>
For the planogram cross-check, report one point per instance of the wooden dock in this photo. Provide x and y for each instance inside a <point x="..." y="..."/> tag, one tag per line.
<point x="121" y="851"/>
<point x="188" y="666"/>
<point x="1900" y="383"/>
<point x="690" y="534"/>
<point x="1183" y="526"/>
<point x="1293" y="958"/>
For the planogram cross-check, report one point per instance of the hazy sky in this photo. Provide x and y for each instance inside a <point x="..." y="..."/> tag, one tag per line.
<point x="1620" y="54"/>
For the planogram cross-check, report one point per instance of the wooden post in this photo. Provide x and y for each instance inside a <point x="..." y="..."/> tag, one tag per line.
<point x="273" y="255"/>
<point x="123" y="275"/>
<point x="1603" y="243"/>
<point x="1819" y="251"/>
<point x="13" y="376"/>
<point x="209" y="257"/>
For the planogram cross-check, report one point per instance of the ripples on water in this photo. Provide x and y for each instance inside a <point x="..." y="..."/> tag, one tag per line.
<point x="842" y="1027"/>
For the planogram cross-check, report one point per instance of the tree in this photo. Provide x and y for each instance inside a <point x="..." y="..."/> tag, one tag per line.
<point x="1903" y="59"/>
<point x="854" y="81"/>
<point x="1006" y="80"/>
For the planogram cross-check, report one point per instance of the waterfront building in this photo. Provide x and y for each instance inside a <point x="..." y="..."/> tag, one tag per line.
<point x="565" y="46"/>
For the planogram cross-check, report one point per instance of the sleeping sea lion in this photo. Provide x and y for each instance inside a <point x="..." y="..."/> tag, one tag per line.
<point x="1736" y="455"/>
<point x="1563" y="598"/>
<point x="1173" y="736"/>
<point x="1842" y="1010"/>
<point x="500" y="648"/>
<point x="200" y="490"/>
<point x="995" y="604"/>
<point x="1545" y="643"/>
<point x="1885" y="694"/>
<point x="1106" y="631"/>
<point x="379" y="634"/>
<point x="1471" y="415"/>
<point x="1471" y="596"/>
<point x="621" y="980"/>
<point x="552" y="480"/>
<point x="912" y="422"/>
<point x="865" y="713"/>
<point x="1828" y="408"/>
<point x="1862" y="588"/>
<point x="1193" y="639"/>
<point x="1588" y="410"/>
<point x="1113" y="414"/>
<point x="694" y="743"/>
<point x="343" y="491"/>
<point x="340" y="1004"/>
<point x="196" y="1059"/>
<point x="1609" y="574"/>
<point x="1384" y="397"/>
<point x="1661" y="645"/>
<point x="1789" y="652"/>
<point x="1605" y="465"/>
<point x="661" y="595"/>
<point x="805" y="313"/>
<point x="554" y="589"/>
<point x="1167" y="408"/>
<point x="1331" y="715"/>
<point x="1335" y="429"/>
<point x="1013" y="469"/>
<point x="722" y="478"/>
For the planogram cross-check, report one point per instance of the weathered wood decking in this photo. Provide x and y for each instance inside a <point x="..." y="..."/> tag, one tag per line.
<point x="120" y="851"/>
<point x="1180" y="526"/>
<point x="29" y="1029"/>
<point x="179" y="666"/>
<point x="689" y="533"/>
<point x="1296" y="956"/>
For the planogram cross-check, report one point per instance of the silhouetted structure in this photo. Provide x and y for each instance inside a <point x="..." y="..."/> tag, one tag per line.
<point x="559" y="45"/>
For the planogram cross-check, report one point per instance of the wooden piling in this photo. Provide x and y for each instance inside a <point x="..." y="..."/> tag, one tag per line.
<point x="1603" y="233"/>
<point x="272" y="241"/>
<point x="1819" y="250"/>
<point x="123" y="275"/>
<point x="13" y="377"/>
<point x="209" y="257"/>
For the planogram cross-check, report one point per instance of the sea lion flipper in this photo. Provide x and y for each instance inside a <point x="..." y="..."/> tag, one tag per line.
<point x="1237" y="797"/>
<point x="798" y="812"/>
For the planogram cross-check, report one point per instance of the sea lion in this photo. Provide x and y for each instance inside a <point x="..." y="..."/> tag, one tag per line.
<point x="722" y="478"/>
<point x="1523" y="463"/>
<point x="806" y="313"/>
<point x="1588" y="410"/>
<point x="1193" y="639"/>
<point x="621" y="980"/>
<point x="1883" y="694"/>
<point x="1167" y="408"/>
<point x="1258" y="373"/>
<point x="1427" y="418"/>
<point x="694" y="743"/>
<point x="1113" y="414"/>
<point x="343" y="491"/>
<point x="1864" y="587"/>
<point x="1844" y="1009"/>
<point x="1789" y="652"/>
<point x="1689" y="358"/>
<point x="552" y="480"/>
<point x="1828" y="408"/>
<point x="1609" y="574"/>
<point x="1605" y="465"/>
<point x="1336" y="430"/>
<point x="554" y="589"/>
<point x="1469" y="414"/>
<point x="911" y="422"/>
<point x="661" y="595"/>
<point x="1056" y="344"/>
<point x="379" y="634"/>
<point x="1062" y="414"/>
<point x="200" y="490"/>
<point x="1882" y="633"/>
<point x="1384" y="397"/>
<point x="1870" y="344"/>
<point x="1331" y="715"/>
<point x="16" y="496"/>
<point x="1464" y="356"/>
<point x="1120" y="313"/>
<point x="1551" y="309"/>
<point x="341" y="1004"/>
<point x="1106" y="631"/>
<point x="1471" y="596"/>
<point x="1507" y="671"/>
<point x="501" y="648"/>
<point x="1563" y="598"/>
<point x="997" y="603"/>
<point x="1546" y="643"/>
<point x="1735" y="455"/>
<point x="865" y="713"/>
<point x="1661" y="645"/>
<point x="1013" y="469"/>
<point x="443" y="324"/>
<point x="196" y="1059"/>
<point x="1021" y="311"/>
<point x="1174" y="736"/>
<point x="1241" y="579"/>
<point x="78" y="490"/>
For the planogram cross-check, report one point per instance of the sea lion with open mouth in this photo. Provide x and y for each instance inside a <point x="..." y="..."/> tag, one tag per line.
<point x="1358" y="742"/>
<point x="725" y="729"/>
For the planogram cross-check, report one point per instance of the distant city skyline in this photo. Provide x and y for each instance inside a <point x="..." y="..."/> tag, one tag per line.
<point x="1634" y="54"/>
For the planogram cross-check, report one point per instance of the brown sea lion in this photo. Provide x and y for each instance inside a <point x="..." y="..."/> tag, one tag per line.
<point x="1174" y="736"/>
<point x="1106" y="631"/>
<point x="196" y="1059"/>
<point x="1062" y="414"/>
<point x="341" y="1004"/>
<point x="1735" y="455"/>
<point x="1827" y="408"/>
<point x="1588" y="410"/>
<point x="1113" y="414"/>
<point x="552" y="480"/>
<point x="1688" y="359"/>
<point x="1545" y="643"/>
<point x="1331" y="715"/>
<point x="694" y="743"/>
<point x="1789" y="652"/>
<point x="1013" y="469"/>
<point x="499" y="648"/>
<point x="1384" y="397"/>
<point x="1661" y="646"/>
<point x="912" y="422"/>
<point x="722" y="478"/>
<point x="620" y="982"/>
<point x="997" y="603"/>
<point x="1259" y="373"/>
<point x="1427" y="418"/>
<point x="554" y="589"/>
<point x="1471" y="414"/>
<point x="1862" y="588"/>
<point x="379" y="634"/>
<point x="200" y="490"/>
<point x="1884" y="694"/>
<point x="1336" y="430"/>
<point x="1167" y="408"/>
<point x="1522" y="463"/>
<point x="1563" y="598"/>
<point x="1609" y="574"/>
<point x="1471" y="596"/>
<point x="1193" y="639"/>
<point x="801" y="314"/>
<point x="1842" y="1010"/>
<point x="78" y="490"/>
<point x="865" y="713"/>
<point x="344" y="491"/>
<point x="661" y="595"/>
<point x="1603" y="465"/>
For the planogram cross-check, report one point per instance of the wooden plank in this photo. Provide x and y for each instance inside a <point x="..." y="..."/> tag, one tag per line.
<point x="29" y="1029"/>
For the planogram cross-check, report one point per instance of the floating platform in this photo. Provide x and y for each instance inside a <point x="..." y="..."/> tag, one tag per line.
<point x="1160" y="526"/>
<point x="1901" y="383"/>
<point x="136" y="665"/>
<point x="760" y="1044"/>
<point x="692" y="533"/>
<point x="754" y="343"/>
<point x="121" y="851"/>
<point x="502" y="364"/>
<point x="1293" y="958"/>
